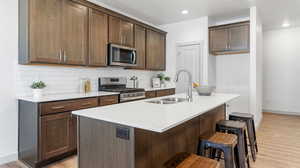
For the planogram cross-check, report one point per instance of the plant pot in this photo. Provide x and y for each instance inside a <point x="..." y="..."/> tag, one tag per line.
<point x="37" y="93"/>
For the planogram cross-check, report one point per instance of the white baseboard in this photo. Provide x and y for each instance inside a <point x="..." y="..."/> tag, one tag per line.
<point x="8" y="158"/>
<point x="282" y="112"/>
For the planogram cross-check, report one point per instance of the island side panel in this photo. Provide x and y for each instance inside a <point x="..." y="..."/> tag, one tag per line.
<point x="154" y="149"/>
<point x="28" y="133"/>
<point x="99" y="146"/>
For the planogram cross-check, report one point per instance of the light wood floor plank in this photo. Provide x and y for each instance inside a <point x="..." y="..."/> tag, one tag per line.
<point x="278" y="142"/>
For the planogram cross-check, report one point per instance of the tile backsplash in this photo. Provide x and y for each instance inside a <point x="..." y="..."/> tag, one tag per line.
<point x="67" y="79"/>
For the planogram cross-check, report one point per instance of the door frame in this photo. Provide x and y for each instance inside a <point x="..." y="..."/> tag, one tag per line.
<point x="203" y="62"/>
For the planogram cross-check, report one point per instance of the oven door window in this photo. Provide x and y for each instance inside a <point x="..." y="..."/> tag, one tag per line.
<point x="122" y="56"/>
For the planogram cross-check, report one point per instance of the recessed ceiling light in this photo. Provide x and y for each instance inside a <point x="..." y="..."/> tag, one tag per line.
<point x="184" y="12"/>
<point x="286" y="25"/>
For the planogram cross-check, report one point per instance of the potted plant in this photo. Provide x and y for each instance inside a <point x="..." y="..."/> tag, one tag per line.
<point x="163" y="79"/>
<point x="37" y="88"/>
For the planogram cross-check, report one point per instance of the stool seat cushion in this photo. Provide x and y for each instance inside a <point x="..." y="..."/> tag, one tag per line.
<point x="223" y="138"/>
<point x="232" y="124"/>
<point x="243" y="115"/>
<point x="186" y="160"/>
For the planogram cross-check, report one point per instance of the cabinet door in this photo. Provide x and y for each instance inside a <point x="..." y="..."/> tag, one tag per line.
<point x="45" y="31"/>
<point x="55" y="135"/>
<point x="114" y="30"/>
<point x="120" y="32"/>
<point x="98" y="38"/>
<point x="75" y="33"/>
<point x="140" y="45"/>
<point x="239" y="38"/>
<point x="218" y="40"/>
<point x="155" y="51"/>
<point x="127" y="34"/>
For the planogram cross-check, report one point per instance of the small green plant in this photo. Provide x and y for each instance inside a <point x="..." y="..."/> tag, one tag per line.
<point x="163" y="77"/>
<point x="38" y="85"/>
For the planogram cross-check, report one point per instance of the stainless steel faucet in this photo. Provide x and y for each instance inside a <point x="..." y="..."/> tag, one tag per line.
<point x="189" y="92"/>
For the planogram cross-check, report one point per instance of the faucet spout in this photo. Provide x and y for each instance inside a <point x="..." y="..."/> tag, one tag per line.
<point x="189" y="92"/>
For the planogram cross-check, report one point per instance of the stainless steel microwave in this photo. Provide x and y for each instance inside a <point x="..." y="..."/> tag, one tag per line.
<point x="121" y="56"/>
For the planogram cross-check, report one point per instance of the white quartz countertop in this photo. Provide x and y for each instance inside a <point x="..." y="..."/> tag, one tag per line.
<point x="64" y="96"/>
<point x="156" y="117"/>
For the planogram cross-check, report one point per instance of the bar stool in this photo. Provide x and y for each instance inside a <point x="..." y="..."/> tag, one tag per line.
<point x="249" y="120"/>
<point x="238" y="128"/>
<point x="221" y="142"/>
<point x="186" y="160"/>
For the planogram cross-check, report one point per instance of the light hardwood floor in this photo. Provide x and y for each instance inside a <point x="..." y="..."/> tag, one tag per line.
<point x="278" y="140"/>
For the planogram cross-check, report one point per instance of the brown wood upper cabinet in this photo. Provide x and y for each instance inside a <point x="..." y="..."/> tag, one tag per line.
<point x="230" y="39"/>
<point x="98" y="38"/>
<point x="121" y="32"/>
<point x="155" y="48"/>
<point x="57" y="32"/>
<point x="75" y="33"/>
<point x="140" y="46"/>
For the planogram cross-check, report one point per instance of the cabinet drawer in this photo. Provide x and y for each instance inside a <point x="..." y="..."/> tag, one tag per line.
<point x="69" y="105"/>
<point x="108" y="100"/>
<point x="167" y="92"/>
<point x="150" y="94"/>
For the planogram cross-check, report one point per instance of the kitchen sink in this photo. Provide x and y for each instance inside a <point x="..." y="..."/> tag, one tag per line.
<point x="171" y="100"/>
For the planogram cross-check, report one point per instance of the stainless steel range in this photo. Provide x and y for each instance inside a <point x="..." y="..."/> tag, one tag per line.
<point x="119" y="85"/>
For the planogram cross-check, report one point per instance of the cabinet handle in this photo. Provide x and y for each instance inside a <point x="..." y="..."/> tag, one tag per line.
<point x="86" y="104"/>
<point x="65" y="56"/>
<point x="60" y="55"/>
<point x="58" y="107"/>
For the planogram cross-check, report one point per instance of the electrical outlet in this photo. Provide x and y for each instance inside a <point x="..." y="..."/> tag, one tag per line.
<point x="123" y="133"/>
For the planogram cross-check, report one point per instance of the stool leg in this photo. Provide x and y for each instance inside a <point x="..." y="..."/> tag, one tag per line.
<point x="202" y="148"/>
<point x="229" y="157"/>
<point x="254" y="132"/>
<point x="236" y="153"/>
<point x="241" y="149"/>
<point x="246" y="149"/>
<point x="251" y="139"/>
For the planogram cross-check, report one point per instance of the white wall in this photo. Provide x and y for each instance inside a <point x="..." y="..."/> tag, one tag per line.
<point x="256" y="64"/>
<point x="187" y="31"/>
<point x="232" y="76"/>
<point x="8" y="104"/>
<point x="281" y="70"/>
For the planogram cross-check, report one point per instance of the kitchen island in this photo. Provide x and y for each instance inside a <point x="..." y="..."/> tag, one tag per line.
<point x="145" y="135"/>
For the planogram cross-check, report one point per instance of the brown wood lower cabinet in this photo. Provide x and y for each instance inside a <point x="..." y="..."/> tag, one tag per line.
<point x="55" y="135"/>
<point x="48" y="131"/>
<point x="160" y="93"/>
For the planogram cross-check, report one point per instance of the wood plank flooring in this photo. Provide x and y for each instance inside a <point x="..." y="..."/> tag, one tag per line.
<point x="278" y="142"/>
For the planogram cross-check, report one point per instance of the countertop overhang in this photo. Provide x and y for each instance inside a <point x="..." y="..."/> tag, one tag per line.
<point x="156" y="117"/>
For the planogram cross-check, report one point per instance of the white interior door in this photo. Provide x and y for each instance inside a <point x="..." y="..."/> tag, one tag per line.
<point x="189" y="58"/>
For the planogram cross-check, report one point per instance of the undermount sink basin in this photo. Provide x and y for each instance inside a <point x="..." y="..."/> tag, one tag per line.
<point x="170" y="100"/>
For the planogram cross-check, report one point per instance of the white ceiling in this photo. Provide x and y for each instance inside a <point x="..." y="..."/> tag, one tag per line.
<point x="272" y="12"/>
